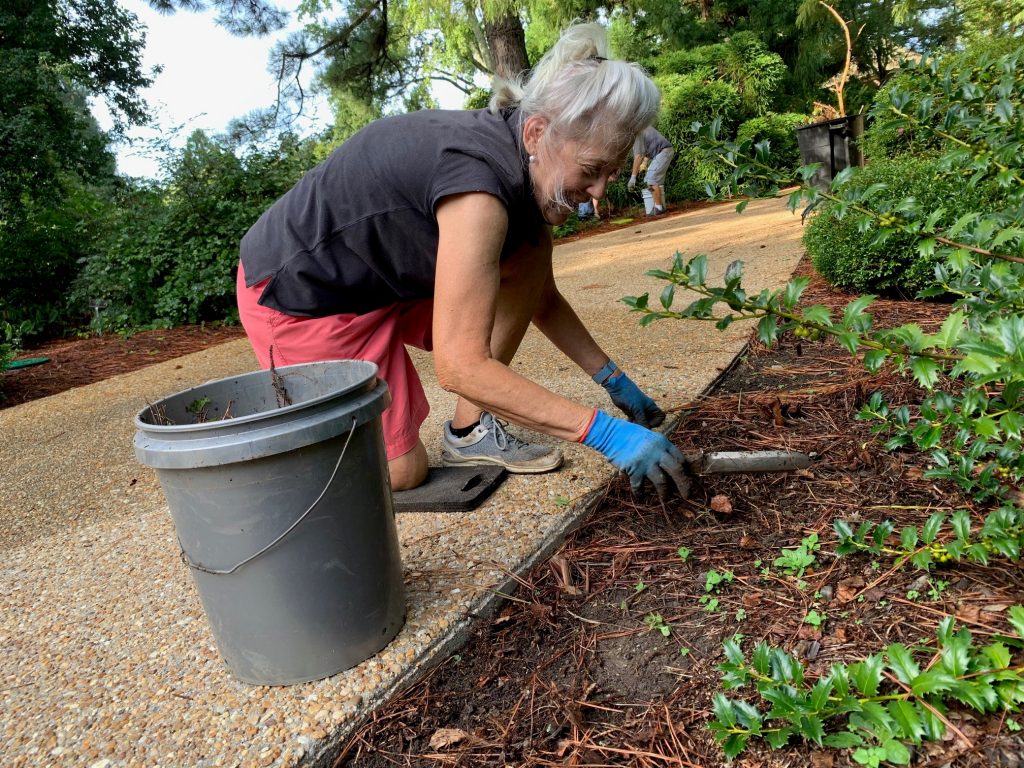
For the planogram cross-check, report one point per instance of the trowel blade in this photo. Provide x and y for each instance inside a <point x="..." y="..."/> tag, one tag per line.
<point x="721" y="462"/>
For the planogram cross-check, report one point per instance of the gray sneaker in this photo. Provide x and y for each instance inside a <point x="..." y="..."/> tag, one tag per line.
<point x="489" y="443"/>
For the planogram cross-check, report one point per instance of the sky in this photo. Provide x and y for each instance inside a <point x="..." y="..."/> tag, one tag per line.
<point x="209" y="77"/>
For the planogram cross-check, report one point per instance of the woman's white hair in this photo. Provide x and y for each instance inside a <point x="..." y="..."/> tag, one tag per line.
<point x="583" y="95"/>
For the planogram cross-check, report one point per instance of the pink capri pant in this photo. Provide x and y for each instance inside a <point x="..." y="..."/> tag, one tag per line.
<point x="379" y="336"/>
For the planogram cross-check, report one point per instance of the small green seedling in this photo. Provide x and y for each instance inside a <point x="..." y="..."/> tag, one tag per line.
<point x="710" y="603"/>
<point x="815" y="619"/>
<point x="793" y="562"/>
<point x="655" y="621"/>
<point x="711" y="583"/>
<point x="684" y="554"/>
<point x="198" y="408"/>
<point x="714" y="578"/>
<point x="639" y="586"/>
<point x="938" y="586"/>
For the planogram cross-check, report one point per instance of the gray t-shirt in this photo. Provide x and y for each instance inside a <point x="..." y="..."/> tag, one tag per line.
<point x="649" y="143"/>
<point x="359" y="231"/>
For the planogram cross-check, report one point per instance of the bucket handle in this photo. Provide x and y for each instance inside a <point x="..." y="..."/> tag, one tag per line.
<point x="227" y="571"/>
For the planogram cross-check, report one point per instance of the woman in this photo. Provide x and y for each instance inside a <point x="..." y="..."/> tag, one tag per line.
<point x="433" y="229"/>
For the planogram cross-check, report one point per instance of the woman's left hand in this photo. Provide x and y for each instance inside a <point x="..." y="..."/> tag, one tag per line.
<point x="629" y="398"/>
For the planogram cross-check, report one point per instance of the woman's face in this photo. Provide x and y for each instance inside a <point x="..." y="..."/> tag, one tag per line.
<point x="579" y="171"/>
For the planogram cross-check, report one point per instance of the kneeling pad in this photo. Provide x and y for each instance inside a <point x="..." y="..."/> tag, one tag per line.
<point x="451" y="489"/>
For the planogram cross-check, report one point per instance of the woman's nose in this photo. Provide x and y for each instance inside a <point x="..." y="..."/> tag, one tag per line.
<point x="596" y="190"/>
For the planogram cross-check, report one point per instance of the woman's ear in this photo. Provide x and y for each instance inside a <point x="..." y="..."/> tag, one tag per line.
<point x="533" y="129"/>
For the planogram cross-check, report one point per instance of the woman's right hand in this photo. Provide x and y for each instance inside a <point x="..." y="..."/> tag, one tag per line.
<point x="639" y="452"/>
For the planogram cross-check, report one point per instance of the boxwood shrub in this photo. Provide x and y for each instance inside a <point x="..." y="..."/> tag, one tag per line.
<point x="846" y="257"/>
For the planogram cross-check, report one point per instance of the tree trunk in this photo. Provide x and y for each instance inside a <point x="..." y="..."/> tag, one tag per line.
<point x="507" y="43"/>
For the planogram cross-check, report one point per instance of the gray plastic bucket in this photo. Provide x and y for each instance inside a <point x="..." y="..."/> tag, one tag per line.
<point x="284" y="515"/>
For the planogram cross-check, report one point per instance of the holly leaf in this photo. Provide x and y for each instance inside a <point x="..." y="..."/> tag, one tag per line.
<point x="874" y="359"/>
<point x="931" y="527"/>
<point x="1015" y="615"/>
<point x="734" y="745"/>
<point x="907" y="719"/>
<point x="902" y="663"/>
<point x="723" y="710"/>
<point x="925" y="371"/>
<point x="867" y="674"/>
<point x="935" y="680"/>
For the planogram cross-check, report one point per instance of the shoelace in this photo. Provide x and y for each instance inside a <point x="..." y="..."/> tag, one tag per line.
<point x="502" y="438"/>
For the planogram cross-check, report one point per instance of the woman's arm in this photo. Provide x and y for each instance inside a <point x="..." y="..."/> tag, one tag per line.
<point x="472" y="229"/>
<point x="558" y="321"/>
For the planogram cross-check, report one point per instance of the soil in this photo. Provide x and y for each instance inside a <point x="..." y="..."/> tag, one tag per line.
<point x="608" y="654"/>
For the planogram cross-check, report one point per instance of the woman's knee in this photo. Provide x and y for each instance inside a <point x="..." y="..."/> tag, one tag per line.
<point x="410" y="469"/>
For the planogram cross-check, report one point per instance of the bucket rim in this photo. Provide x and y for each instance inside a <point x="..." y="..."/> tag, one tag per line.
<point x="360" y="383"/>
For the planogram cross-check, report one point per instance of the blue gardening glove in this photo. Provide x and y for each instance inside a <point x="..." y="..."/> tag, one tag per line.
<point x="639" y="452"/>
<point x="631" y="184"/>
<point x="628" y="396"/>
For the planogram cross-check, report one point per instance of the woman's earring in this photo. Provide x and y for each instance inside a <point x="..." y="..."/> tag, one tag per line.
<point x="532" y="158"/>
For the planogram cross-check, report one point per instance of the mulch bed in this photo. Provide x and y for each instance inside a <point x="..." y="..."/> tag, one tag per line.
<point x="77" y="362"/>
<point x="576" y="670"/>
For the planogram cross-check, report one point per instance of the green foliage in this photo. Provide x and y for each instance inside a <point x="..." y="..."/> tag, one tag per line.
<point x="54" y="57"/>
<point x="687" y="99"/>
<point x="656" y="623"/>
<point x="728" y="81"/>
<point x="10" y="342"/>
<point x="875" y="706"/>
<point x="704" y="62"/>
<point x="886" y="138"/>
<point x="478" y="99"/>
<point x="849" y="253"/>
<point x="794" y="562"/>
<point x="743" y="61"/>
<point x="940" y="541"/>
<point x="169" y="253"/>
<point x="712" y="583"/>
<point x="757" y="72"/>
<point x="40" y="247"/>
<point x="779" y="130"/>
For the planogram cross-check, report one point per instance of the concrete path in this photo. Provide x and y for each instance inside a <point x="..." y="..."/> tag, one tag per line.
<point x="107" y="658"/>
